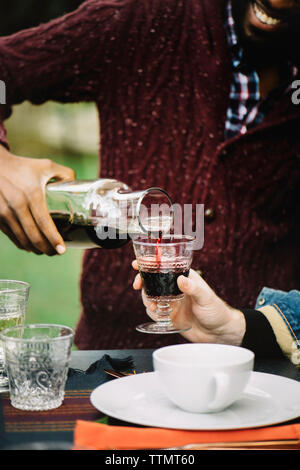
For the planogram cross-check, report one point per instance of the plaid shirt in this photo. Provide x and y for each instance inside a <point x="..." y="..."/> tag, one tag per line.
<point x="246" y="107"/>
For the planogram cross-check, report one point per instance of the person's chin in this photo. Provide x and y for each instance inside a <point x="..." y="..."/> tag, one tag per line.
<point x="260" y="28"/>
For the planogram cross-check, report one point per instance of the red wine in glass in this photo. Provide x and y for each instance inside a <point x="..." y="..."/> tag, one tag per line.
<point x="161" y="261"/>
<point x="162" y="284"/>
<point x="158" y="249"/>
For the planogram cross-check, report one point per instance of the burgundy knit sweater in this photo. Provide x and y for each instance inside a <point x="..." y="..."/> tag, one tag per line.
<point x="160" y="74"/>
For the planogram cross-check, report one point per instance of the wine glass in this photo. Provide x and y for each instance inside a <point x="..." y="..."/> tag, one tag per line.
<point x="13" y="302"/>
<point x="161" y="261"/>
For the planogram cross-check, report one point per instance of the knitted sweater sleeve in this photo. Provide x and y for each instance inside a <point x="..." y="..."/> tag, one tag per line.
<point x="69" y="58"/>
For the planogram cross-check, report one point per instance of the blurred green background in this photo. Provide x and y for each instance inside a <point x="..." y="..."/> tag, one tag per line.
<point x="51" y="131"/>
<point x="69" y="135"/>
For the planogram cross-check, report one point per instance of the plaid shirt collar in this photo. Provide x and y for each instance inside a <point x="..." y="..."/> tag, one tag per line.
<point x="232" y="38"/>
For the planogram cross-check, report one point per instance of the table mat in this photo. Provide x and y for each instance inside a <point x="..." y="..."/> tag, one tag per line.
<point x="76" y="405"/>
<point x="18" y="426"/>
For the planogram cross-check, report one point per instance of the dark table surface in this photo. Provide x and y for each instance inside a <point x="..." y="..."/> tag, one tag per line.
<point x="142" y="358"/>
<point x="26" y="430"/>
<point x="143" y="361"/>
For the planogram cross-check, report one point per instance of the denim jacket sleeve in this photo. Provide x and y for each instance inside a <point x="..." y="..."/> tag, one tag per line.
<point x="282" y="310"/>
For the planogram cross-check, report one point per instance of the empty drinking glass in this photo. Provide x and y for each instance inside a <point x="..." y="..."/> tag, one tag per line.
<point x="13" y="303"/>
<point x="37" y="360"/>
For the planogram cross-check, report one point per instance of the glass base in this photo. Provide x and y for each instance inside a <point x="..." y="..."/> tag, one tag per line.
<point x="161" y="329"/>
<point x="4" y="386"/>
<point x="27" y="404"/>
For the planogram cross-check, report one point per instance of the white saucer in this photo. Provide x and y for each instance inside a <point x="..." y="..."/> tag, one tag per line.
<point x="138" y="399"/>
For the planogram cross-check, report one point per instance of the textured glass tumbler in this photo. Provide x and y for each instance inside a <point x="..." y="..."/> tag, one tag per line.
<point x="37" y="360"/>
<point x="160" y="263"/>
<point x="13" y="303"/>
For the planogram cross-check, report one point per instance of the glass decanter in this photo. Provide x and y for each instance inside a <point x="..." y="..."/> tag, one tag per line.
<point x="106" y="213"/>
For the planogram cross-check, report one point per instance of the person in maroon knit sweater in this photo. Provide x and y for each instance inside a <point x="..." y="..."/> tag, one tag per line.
<point x="164" y="76"/>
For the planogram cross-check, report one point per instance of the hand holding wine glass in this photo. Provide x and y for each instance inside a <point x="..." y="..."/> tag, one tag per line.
<point x="212" y="320"/>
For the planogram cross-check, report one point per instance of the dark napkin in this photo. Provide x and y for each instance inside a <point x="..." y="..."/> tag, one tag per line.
<point x="95" y="375"/>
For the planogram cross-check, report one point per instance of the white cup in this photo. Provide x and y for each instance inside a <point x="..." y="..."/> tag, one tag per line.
<point x="203" y="378"/>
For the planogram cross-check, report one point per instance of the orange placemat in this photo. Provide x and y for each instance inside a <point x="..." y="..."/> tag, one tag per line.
<point x="105" y="437"/>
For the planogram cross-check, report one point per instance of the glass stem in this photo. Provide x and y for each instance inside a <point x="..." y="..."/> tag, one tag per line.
<point x="163" y="313"/>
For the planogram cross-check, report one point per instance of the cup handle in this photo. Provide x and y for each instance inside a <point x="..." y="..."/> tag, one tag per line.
<point x="222" y="387"/>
